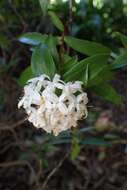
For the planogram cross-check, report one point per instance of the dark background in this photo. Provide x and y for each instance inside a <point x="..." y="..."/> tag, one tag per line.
<point x="28" y="159"/>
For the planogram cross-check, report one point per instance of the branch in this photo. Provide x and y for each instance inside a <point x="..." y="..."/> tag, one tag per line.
<point x="54" y="171"/>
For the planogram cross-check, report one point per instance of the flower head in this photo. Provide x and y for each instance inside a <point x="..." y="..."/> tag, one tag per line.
<point x="54" y="105"/>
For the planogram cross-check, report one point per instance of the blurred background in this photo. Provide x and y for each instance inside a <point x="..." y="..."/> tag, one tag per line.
<point x="25" y="152"/>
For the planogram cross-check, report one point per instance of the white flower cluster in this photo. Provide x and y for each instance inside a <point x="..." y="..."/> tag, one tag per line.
<point x="54" y="105"/>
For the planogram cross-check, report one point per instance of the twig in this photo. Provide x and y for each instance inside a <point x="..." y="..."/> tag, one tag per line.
<point x="70" y="16"/>
<point x="13" y="126"/>
<point x="18" y="15"/>
<point x="20" y="163"/>
<point x="54" y="171"/>
<point x="69" y="24"/>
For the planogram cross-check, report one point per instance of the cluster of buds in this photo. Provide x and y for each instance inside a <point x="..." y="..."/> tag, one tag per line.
<point x="54" y="105"/>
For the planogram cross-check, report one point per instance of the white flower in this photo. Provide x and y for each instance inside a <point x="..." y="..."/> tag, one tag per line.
<point x="54" y="105"/>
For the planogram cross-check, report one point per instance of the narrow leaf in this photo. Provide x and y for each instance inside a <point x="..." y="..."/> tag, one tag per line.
<point x="25" y="76"/>
<point x="120" y="62"/>
<point x="77" y="72"/>
<point x="52" y="43"/>
<point x="86" y="77"/>
<point x="42" y="61"/>
<point x="86" y="47"/>
<point x="123" y="38"/>
<point x="56" y="21"/>
<point x="107" y="92"/>
<point x="69" y="64"/>
<point x="32" y="38"/>
<point x="99" y="75"/>
<point x="44" y="5"/>
<point x="96" y="141"/>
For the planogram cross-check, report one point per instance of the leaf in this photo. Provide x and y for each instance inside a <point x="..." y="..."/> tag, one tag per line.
<point x="107" y="92"/>
<point x="86" y="47"/>
<point x="99" y="75"/>
<point x="44" y="5"/>
<point x="86" y="76"/>
<point x="56" y="21"/>
<point x="71" y="61"/>
<point x="25" y="76"/>
<point x="95" y="141"/>
<point x="123" y="38"/>
<point x="77" y="72"/>
<point x="42" y="61"/>
<point x="120" y="62"/>
<point x="76" y="148"/>
<point x="52" y="43"/>
<point x="32" y="38"/>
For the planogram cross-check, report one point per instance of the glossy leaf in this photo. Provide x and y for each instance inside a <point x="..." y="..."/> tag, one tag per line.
<point x="107" y="92"/>
<point x="42" y="61"/>
<point x="71" y="61"/>
<point x="25" y="76"/>
<point x="99" y="75"/>
<point x="86" y="76"/>
<point x="123" y="38"/>
<point x="32" y="38"/>
<point x="77" y="72"/>
<point x="121" y="61"/>
<point x="52" y="43"/>
<point x="86" y="47"/>
<point x="56" y="21"/>
<point x="44" y="5"/>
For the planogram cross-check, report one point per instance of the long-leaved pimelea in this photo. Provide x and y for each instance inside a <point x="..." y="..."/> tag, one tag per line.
<point x="54" y="106"/>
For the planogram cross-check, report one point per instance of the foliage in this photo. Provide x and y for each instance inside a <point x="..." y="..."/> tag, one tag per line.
<point x="53" y="50"/>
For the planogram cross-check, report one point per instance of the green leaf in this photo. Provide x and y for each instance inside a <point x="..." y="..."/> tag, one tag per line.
<point x="33" y="38"/>
<point x="86" y="47"/>
<point x="42" y="61"/>
<point x="123" y="38"/>
<point x="86" y="76"/>
<point x="71" y="61"/>
<point x="76" y="148"/>
<point x="44" y="5"/>
<point x="56" y="21"/>
<point x="120" y="62"/>
<point x="25" y="76"/>
<point x="98" y="75"/>
<point x="96" y="141"/>
<point x="107" y="92"/>
<point x="77" y="72"/>
<point x="52" y="43"/>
